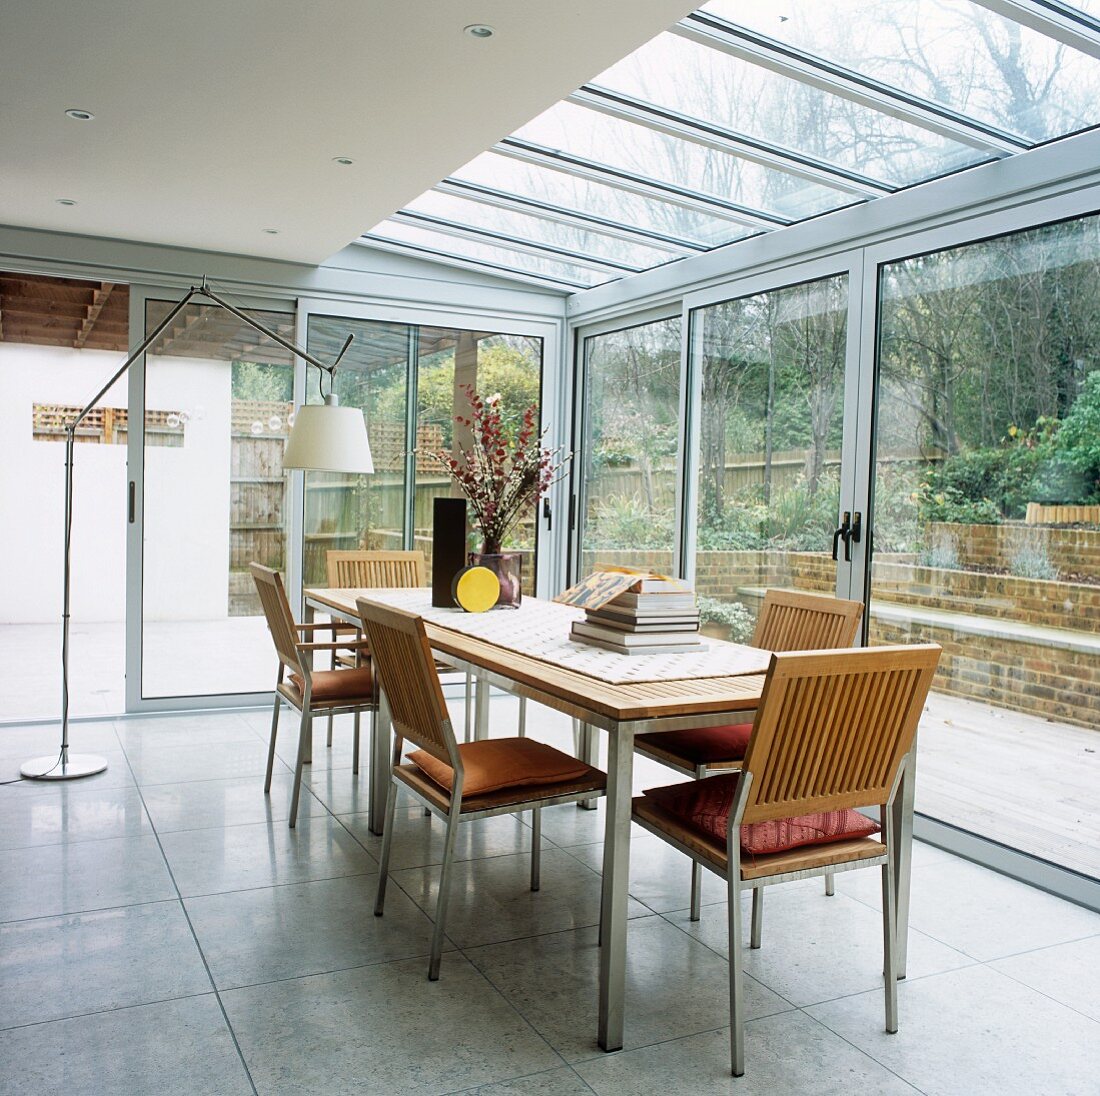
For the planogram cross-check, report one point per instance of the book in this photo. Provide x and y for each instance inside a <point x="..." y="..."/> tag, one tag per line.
<point x="586" y="630"/>
<point x="663" y="649"/>
<point x="643" y="626"/>
<point x="660" y="586"/>
<point x="663" y="602"/>
<point x="646" y="614"/>
<point x="597" y="589"/>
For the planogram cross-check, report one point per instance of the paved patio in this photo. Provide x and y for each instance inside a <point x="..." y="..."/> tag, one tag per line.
<point x="1023" y="781"/>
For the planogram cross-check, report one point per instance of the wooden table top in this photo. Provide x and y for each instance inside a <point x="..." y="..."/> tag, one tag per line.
<point x="572" y="692"/>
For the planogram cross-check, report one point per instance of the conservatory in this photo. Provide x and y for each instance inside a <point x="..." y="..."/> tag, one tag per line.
<point x="806" y="297"/>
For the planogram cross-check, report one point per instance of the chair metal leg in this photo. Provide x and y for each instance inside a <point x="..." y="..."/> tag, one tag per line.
<point x="469" y="702"/>
<point x="271" y="744"/>
<point x="444" y="894"/>
<point x="737" y="989"/>
<point x="521" y="729"/>
<point x="890" y="956"/>
<point x="696" y="890"/>
<point x="756" y="926"/>
<point x="697" y="868"/>
<point x="387" y="842"/>
<point x="830" y="883"/>
<point x="355" y="748"/>
<point x="305" y="733"/>
<point x="536" y="847"/>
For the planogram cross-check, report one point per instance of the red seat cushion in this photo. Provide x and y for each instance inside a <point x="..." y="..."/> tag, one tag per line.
<point x="705" y="745"/>
<point x="352" y="684"/>
<point x="496" y="763"/>
<point x="704" y="805"/>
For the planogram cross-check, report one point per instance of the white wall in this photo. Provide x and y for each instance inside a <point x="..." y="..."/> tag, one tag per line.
<point x="187" y="497"/>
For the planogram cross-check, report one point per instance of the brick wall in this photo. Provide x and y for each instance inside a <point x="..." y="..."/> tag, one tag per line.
<point x="1070" y="550"/>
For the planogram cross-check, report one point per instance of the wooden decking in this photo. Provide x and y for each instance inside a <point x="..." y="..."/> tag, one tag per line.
<point x="1021" y="780"/>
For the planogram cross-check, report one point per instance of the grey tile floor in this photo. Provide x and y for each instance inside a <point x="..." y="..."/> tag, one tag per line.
<point x="162" y="930"/>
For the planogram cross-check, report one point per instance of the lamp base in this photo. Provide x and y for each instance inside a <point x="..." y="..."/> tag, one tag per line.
<point x="73" y="767"/>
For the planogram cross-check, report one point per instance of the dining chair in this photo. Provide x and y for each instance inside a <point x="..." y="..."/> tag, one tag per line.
<point x="308" y="691"/>
<point x="375" y="570"/>
<point x="457" y="783"/>
<point x="831" y="733"/>
<point x="788" y="621"/>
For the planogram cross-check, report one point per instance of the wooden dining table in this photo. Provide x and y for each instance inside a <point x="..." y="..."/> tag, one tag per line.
<point x="622" y="710"/>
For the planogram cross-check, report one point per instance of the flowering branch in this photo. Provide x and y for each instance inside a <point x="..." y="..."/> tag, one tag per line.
<point x="501" y="476"/>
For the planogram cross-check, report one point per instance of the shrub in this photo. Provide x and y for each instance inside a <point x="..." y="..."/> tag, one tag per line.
<point x="942" y="553"/>
<point x="1030" y="559"/>
<point x="1078" y="441"/>
<point x="624" y="521"/>
<point x="731" y="614"/>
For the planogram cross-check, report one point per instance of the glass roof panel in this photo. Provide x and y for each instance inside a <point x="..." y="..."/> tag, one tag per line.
<point x="538" y="229"/>
<point x="523" y="262"/>
<point x="957" y="54"/>
<point x="558" y="188"/>
<point x="714" y="87"/>
<point x="641" y="151"/>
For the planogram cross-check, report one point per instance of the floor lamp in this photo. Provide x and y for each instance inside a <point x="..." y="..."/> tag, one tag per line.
<point x="324" y="437"/>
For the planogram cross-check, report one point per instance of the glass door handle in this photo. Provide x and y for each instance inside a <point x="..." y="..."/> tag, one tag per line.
<point x="843" y="533"/>
<point x="854" y="535"/>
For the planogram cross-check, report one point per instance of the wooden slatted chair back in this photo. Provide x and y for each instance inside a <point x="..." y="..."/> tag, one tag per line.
<point x="832" y="728"/>
<point x="805" y="622"/>
<point x="280" y="620"/>
<point x="374" y="570"/>
<point x="406" y="671"/>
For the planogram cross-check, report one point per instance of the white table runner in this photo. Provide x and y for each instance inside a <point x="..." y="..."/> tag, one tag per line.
<point x="540" y="629"/>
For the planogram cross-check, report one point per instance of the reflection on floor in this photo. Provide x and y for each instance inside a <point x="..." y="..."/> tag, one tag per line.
<point x="161" y="929"/>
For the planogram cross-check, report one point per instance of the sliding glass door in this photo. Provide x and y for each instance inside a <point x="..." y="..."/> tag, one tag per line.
<point x="770" y="370"/>
<point x="987" y="527"/>
<point x="218" y="403"/>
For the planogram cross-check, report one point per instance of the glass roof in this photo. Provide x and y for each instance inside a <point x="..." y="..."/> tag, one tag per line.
<point x="750" y="115"/>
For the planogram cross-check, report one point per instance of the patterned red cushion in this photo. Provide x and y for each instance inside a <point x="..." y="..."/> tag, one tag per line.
<point x="705" y="745"/>
<point x="705" y="806"/>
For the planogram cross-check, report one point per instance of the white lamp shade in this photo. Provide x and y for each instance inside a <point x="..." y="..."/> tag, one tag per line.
<point x="329" y="438"/>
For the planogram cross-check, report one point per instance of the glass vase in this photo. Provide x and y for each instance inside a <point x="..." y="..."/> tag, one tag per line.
<point x="508" y="567"/>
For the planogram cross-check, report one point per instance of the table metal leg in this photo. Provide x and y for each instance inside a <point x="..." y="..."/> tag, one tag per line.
<point x="616" y="876"/>
<point x="481" y="709"/>
<point x="903" y="827"/>
<point x="381" y="749"/>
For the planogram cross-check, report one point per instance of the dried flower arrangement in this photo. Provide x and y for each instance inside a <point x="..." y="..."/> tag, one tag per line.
<point x="500" y="475"/>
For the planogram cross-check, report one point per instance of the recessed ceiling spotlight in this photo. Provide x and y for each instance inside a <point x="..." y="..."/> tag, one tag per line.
<point x="79" y="115"/>
<point x="66" y="201"/>
<point x="478" y="30"/>
<point x="343" y="161"/>
<point x="271" y="231"/>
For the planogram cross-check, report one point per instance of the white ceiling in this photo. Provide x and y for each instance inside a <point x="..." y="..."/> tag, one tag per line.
<point x="216" y="120"/>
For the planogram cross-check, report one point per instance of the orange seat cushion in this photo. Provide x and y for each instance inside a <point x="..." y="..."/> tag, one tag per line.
<point x="705" y="745"/>
<point x="704" y="805"/>
<point x="496" y="763"/>
<point x="351" y="684"/>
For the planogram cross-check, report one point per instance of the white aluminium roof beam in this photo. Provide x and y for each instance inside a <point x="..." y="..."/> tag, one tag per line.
<point x="616" y="104"/>
<point x="512" y="243"/>
<point x="464" y="262"/>
<point x="530" y="153"/>
<point x="1056" y="20"/>
<point x="590" y="222"/>
<point x="708" y="30"/>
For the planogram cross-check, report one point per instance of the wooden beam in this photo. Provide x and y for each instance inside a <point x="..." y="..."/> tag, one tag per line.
<point x="99" y="299"/>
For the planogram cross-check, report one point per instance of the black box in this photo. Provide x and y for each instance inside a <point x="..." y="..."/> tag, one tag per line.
<point x="448" y="548"/>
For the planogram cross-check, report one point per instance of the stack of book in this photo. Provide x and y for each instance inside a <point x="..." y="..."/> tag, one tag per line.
<point x="654" y="616"/>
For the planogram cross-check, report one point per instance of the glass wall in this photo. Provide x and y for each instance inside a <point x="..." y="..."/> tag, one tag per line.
<point x="218" y="407"/>
<point x="628" y="446"/>
<point x="392" y="508"/>
<point x="987" y="527"/>
<point x="770" y="426"/>
<point x="345" y="511"/>
<point x="451" y="363"/>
